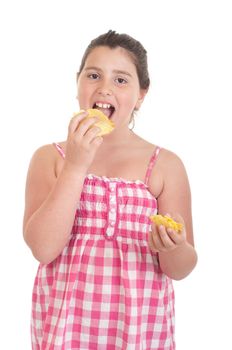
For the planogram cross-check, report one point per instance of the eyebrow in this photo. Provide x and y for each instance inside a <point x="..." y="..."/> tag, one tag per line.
<point x="117" y="71"/>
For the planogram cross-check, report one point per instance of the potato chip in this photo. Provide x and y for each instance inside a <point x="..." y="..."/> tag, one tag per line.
<point x="166" y="221"/>
<point x="105" y="124"/>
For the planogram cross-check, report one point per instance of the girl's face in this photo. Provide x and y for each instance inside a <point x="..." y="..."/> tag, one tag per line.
<point x="109" y="82"/>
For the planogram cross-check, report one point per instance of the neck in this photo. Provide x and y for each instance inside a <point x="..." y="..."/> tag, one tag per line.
<point x="118" y="137"/>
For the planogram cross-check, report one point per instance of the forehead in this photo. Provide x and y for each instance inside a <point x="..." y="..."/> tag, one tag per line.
<point x="115" y="58"/>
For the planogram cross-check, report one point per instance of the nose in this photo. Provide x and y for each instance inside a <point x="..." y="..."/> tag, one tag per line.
<point x="105" y="89"/>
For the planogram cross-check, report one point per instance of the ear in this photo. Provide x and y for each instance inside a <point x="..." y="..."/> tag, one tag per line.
<point x="142" y="95"/>
<point x="77" y="79"/>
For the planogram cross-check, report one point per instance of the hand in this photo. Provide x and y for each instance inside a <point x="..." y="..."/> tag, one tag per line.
<point x="82" y="142"/>
<point x="162" y="239"/>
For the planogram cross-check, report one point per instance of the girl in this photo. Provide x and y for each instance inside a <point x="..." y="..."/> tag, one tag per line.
<point x="105" y="274"/>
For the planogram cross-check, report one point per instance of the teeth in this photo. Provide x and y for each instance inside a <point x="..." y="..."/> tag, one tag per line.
<point x="103" y="105"/>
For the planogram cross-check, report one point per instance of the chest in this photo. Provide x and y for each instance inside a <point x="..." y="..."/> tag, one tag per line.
<point x="129" y="165"/>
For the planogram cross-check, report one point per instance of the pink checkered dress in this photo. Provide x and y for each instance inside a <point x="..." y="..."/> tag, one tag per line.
<point x="106" y="290"/>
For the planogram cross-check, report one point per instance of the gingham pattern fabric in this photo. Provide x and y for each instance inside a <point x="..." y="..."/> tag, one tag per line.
<point x="106" y="290"/>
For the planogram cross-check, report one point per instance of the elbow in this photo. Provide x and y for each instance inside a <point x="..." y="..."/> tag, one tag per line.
<point x="181" y="270"/>
<point x="177" y="276"/>
<point x="41" y="254"/>
<point x="186" y="271"/>
<point x="42" y="258"/>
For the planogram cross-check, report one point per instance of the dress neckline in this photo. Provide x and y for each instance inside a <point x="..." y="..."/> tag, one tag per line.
<point x="91" y="176"/>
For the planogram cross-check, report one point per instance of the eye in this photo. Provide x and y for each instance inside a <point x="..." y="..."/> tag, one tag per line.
<point x="93" y="76"/>
<point x="121" y="81"/>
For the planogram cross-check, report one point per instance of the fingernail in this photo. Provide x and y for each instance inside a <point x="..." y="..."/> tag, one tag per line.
<point x="75" y="114"/>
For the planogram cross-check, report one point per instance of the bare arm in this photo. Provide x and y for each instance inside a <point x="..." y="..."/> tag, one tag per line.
<point x="176" y="250"/>
<point x="50" y="202"/>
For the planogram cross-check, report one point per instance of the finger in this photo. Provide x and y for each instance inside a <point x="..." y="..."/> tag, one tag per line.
<point x="157" y="242"/>
<point x="92" y="133"/>
<point x="75" y="114"/>
<point x="85" y="125"/>
<point x="151" y="243"/>
<point x="175" y="236"/>
<point x="166" y="240"/>
<point x="178" y="218"/>
<point x="153" y="239"/>
<point x="97" y="141"/>
<point x="76" y="119"/>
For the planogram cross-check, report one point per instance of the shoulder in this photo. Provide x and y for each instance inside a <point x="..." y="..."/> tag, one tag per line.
<point x="168" y="160"/>
<point x="44" y="160"/>
<point x="44" y="154"/>
<point x="48" y="153"/>
<point x="41" y="173"/>
<point x="169" y="170"/>
<point x="44" y="151"/>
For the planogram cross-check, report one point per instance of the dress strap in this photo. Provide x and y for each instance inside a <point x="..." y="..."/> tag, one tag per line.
<point x="151" y="164"/>
<point x="59" y="149"/>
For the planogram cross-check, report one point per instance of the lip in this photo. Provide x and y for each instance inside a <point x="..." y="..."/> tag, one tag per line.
<point x="104" y="103"/>
<point x="106" y="107"/>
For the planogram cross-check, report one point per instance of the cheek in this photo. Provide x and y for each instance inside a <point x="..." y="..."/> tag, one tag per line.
<point x="81" y="93"/>
<point x="131" y="103"/>
<point x="127" y="99"/>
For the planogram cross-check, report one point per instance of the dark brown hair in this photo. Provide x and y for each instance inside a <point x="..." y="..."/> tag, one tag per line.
<point x="134" y="48"/>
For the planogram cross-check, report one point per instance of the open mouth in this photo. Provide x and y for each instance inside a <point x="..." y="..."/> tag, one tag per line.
<point x="105" y="108"/>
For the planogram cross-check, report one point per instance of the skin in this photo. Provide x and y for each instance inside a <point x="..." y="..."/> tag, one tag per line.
<point x="54" y="184"/>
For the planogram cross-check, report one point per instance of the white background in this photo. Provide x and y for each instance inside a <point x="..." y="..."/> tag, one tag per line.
<point x="188" y="106"/>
